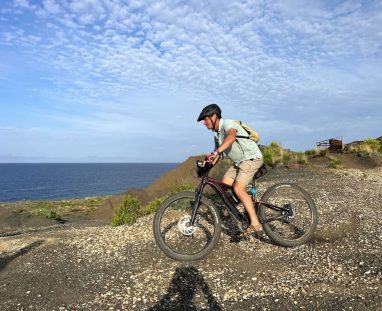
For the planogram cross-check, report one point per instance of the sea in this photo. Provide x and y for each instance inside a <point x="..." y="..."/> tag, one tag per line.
<point x="56" y="181"/>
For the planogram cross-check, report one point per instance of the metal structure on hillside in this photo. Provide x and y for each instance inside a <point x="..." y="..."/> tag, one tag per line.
<point x="332" y="144"/>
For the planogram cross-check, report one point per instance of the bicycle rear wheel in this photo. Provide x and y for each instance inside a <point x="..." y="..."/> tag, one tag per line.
<point x="173" y="234"/>
<point x="295" y="226"/>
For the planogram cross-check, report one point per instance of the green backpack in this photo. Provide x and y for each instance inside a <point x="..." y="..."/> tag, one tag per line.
<point x="253" y="135"/>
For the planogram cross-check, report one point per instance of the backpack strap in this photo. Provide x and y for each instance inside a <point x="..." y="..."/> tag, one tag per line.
<point x="241" y="136"/>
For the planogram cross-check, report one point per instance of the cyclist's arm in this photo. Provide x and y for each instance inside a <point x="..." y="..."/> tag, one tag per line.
<point x="228" y="140"/>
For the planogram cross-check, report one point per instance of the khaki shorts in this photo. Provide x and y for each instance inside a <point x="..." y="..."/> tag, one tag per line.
<point x="244" y="172"/>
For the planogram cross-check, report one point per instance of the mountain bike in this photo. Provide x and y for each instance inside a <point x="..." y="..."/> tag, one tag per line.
<point x="187" y="225"/>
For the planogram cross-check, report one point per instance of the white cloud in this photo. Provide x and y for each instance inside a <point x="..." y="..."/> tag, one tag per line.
<point x="105" y="58"/>
<point x="51" y="6"/>
<point x="22" y="4"/>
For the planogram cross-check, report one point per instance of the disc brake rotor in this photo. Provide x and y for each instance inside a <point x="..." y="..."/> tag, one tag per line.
<point x="184" y="225"/>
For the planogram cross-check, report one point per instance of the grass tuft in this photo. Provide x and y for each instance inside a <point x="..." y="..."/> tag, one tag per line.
<point x="127" y="212"/>
<point x="275" y="155"/>
<point x="153" y="206"/>
<point x="46" y="212"/>
<point x="334" y="162"/>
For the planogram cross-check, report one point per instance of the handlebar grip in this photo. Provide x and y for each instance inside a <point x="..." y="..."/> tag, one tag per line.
<point x="211" y="157"/>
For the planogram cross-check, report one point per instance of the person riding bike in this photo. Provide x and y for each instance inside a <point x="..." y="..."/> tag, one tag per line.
<point x="244" y="153"/>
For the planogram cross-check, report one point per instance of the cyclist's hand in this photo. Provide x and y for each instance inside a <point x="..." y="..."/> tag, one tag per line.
<point x="212" y="157"/>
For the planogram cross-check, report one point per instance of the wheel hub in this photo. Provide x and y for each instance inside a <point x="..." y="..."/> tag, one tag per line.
<point x="185" y="227"/>
<point x="289" y="215"/>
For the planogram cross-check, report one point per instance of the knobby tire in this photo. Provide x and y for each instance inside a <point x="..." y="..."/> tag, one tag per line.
<point x="300" y="228"/>
<point x="172" y="241"/>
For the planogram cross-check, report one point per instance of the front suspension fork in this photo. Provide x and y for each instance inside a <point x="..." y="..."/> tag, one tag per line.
<point x="198" y="196"/>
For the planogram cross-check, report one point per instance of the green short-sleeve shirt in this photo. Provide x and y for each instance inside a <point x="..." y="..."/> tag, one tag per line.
<point x="242" y="149"/>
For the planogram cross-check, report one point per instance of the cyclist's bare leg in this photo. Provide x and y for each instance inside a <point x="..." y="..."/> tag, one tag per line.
<point x="241" y="192"/>
<point x="228" y="181"/>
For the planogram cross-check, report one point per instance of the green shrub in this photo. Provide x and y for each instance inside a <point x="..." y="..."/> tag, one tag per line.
<point x="268" y="159"/>
<point x="373" y="143"/>
<point x="301" y="158"/>
<point x="127" y="212"/>
<point x="275" y="146"/>
<point x="310" y="152"/>
<point x="334" y="162"/>
<point x="45" y="212"/>
<point x="272" y="154"/>
<point x="323" y="152"/>
<point x="153" y="206"/>
<point x="371" y="146"/>
<point x="43" y="209"/>
<point x="287" y="158"/>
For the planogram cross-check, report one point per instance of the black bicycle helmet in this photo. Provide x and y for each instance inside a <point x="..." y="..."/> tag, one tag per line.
<point x="209" y="111"/>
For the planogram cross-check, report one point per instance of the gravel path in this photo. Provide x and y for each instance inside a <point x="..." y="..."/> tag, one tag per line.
<point x="104" y="268"/>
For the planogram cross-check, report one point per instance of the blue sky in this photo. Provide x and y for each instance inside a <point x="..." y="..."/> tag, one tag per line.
<point x="124" y="81"/>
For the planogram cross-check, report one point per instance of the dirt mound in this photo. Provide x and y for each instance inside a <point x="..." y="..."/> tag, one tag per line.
<point x="354" y="161"/>
<point x="319" y="161"/>
<point x="11" y="218"/>
<point x="347" y="160"/>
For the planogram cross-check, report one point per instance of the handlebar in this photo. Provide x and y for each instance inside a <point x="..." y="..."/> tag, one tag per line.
<point x="203" y="167"/>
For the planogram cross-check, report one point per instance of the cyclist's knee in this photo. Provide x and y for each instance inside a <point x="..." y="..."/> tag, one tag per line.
<point x="239" y="187"/>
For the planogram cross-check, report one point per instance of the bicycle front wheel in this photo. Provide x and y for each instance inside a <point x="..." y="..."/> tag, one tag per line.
<point x="174" y="234"/>
<point x="289" y="214"/>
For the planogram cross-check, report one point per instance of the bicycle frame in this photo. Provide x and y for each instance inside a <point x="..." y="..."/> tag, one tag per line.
<point x="222" y="190"/>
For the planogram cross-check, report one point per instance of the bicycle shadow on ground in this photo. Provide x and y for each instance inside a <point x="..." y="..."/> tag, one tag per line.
<point x="4" y="261"/>
<point x="187" y="291"/>
<point x="229" y="226"/>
